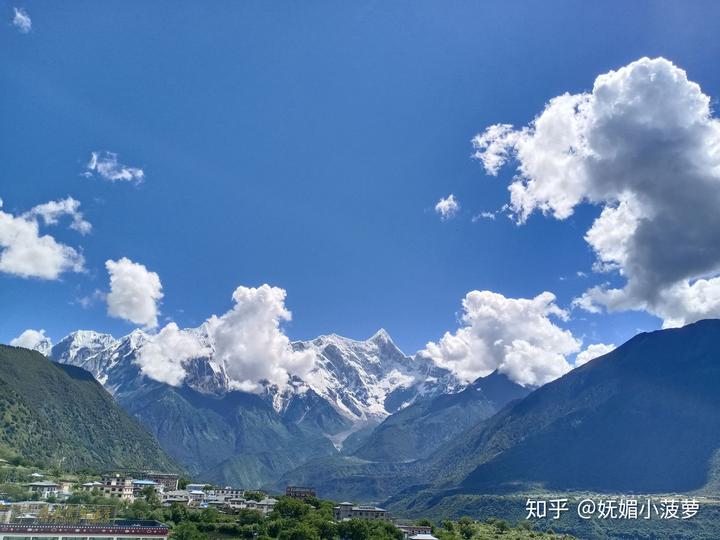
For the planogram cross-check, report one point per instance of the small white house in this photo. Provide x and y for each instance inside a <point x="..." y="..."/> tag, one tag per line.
<point x="227" y="492"/>
<point x="197" y="496"/>
<point x="236" y="503"/>
<point x="44" y="489"/>
<point x="176" y="496"/>
<point x="265" y="506"/>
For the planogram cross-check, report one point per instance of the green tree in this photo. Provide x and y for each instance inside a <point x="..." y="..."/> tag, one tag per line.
<point x="301" y="531"/>
<point x="502" y="526"/>
<point x="385" y="530"/>
<point x="254" y="496"/>
<point x="426" y="523"/>
<point x="353" y="529"/>
<point x="248" y="517"/>
<point x="183" y="481"/>
<point x="288" y="507"/>
<point x="151" y="496"/>
<point x="178" y="513"/>
<point x="13" y="492"/>
<point x="139" y="509"/>
<point x="210" y="515"/>
<point x="187" y="531"/>
<point x="466" y="526"/>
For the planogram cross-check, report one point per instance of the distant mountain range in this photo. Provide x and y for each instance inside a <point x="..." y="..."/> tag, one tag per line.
<point x="418" y="430"/>
<point x="384" y="459"/>
<point x="380" y="425"/>
<point x="362" y="381"/>
<point x="644" y="418"/>
<point x="55" y="415"/>
<point x="251" y="439"/>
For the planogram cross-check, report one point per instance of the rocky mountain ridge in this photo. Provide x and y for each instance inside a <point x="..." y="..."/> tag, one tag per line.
<point x="362" y="382"/>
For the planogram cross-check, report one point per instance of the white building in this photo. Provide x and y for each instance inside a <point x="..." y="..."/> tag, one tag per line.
<point x="121" y="487"/>
<point x="197" y="496"/>
<point x="236" y="503"/>
<point x="44" y="489"/>
<point x="227" y="493"/>
<point x="414" y="530"/>
<point x="265" y="506"/>
<point x="176" y="496"/>
<point x="347" y="510"/>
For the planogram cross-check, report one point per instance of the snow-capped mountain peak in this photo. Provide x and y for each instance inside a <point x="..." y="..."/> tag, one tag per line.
<point x="366" y="381"/>
<point x="363" y="381"/>
<point x="76" y="347"/>
<point x="381" y="336"/>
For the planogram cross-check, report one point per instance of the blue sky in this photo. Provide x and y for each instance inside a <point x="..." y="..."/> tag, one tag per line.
<point x="305" y="145"/>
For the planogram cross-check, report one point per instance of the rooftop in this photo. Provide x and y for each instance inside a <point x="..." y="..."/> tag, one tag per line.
<point x="139" y="527"/>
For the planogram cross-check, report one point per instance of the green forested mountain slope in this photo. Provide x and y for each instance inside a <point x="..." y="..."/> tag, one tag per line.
<point x="644" y="418"/>
<point x="237" y="438"/>
<point x="57" y="415"/>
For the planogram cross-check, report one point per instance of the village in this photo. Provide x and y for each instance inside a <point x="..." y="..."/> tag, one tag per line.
<point x="42" y="505"/>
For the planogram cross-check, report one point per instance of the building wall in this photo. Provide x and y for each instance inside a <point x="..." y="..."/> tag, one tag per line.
<point x="299" y="492"/>
<point x="170" y="481"/>
<point x="14" y="531"/>
<point x="343" y="512"/>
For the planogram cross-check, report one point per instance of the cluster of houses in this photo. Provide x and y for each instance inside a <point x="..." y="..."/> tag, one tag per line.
<point x="111" y="485"/>
<point x="347" y="510"/>
<point x="225" y="499"/>
<point x="165" y="487"/>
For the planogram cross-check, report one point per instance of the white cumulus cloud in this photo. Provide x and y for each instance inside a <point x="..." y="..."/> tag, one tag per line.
<point x="162" y="357"/>
<point x="247" y="341"/>
<point x="447" y="208"/>
<point x="33" y="339"/>
<point x="516" y="336"/>
<point x="22" y="21"/>
<point x="134" y="292"/>
<point x="644" y="146"/>
<point x="250" y="343"/>
<point x="25" y="252"/>
<point x="50" y="212"/>
<point x="106" y="166"/>
<point x="591" y="352"/>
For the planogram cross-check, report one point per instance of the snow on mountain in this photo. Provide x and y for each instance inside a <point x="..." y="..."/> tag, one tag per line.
<point x="368" y="380"/>
<point x="43" y="346"/>
<point x="86" y="349"/>
<point x="362" y="381"/>
<point x="34" y="340"/>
